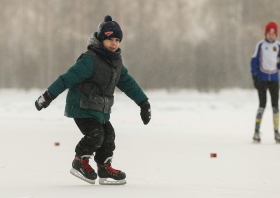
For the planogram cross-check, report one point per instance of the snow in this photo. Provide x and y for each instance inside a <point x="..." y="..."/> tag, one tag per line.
<point x="169" y="157"/>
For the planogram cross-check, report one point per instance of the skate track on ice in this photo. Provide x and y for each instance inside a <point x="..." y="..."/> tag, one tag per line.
<point x="169" y="157"/>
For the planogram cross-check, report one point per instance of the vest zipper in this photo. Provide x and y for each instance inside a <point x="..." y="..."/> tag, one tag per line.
<point x="111" y="81"/>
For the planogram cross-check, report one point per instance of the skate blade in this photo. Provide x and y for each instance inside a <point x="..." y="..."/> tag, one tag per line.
<point x="105" y="181"/>
<point x="80" y="176"/>
<point x="277" y="142"/>
<point x="256" y="141"/>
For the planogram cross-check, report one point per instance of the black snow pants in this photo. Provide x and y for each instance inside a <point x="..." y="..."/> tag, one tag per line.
<point x="97" y="138"/>
<point x="273" y="88"/>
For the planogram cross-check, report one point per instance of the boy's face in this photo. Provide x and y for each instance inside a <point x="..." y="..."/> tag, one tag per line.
<point x="112" y="44"/>
<point x="271" y="36"/>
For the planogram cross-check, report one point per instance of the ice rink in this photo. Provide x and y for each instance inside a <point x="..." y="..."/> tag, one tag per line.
<point x="169" y="157"/>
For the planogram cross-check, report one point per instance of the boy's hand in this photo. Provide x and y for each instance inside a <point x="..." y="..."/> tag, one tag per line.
<point x="44" y="100"/>
<point x="256" y="81"/>
<point x="145" y="111"/>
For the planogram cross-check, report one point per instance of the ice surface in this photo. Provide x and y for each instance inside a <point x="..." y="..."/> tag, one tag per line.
<point x="169" y="157"/>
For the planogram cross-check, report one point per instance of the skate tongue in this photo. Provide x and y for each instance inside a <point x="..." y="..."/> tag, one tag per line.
<point x="85" y="157"/>
<point x="108" y="160"/>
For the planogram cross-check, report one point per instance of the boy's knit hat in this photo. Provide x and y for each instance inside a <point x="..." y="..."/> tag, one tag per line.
<point x="109" y="29"/>
<point x="271" y="26"/>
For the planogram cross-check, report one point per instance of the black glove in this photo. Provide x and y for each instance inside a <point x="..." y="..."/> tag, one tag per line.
<point x="145" y="111"/>
<point x="256" y="81"/>
<point x="44" y="100"/>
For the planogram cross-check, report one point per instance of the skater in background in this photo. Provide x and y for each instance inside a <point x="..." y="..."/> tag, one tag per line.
<point x="91" y="82"/>
<point x="264" y="69"/>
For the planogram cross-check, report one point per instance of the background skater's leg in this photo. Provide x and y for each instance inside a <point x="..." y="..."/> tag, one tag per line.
<point x="262" y="103"/>
<point x="274" y="93"/>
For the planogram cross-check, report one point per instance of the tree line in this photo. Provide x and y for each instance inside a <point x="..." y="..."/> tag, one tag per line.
<point x="167" y="44"/>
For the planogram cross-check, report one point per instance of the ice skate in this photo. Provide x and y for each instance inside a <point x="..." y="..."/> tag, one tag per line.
<point x="256" y="137"/>
<point x="82" y="170"/>
<point x="109" y="176"/>
<point x="277" y="137"/>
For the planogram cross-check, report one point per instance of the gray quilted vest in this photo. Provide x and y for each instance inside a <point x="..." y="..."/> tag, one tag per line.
<point x="97" y="92"/>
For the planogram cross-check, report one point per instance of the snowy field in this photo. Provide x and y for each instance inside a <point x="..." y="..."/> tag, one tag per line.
<point x="170" y="157"/>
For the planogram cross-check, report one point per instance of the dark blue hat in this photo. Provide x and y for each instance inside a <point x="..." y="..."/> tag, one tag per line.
<point x="109" y="29"/>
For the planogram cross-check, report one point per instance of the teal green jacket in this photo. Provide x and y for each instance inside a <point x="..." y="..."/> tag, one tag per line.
<point x="82" y="70"/>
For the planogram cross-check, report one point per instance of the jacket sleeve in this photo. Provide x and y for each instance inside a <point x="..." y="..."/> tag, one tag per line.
<point x="129" y="86"/>
<point x="255" y="61"/>
<point x="82" y="70"/>
<point x="278" y="64"/>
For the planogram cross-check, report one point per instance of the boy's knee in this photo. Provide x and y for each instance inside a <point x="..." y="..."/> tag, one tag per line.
<point x="96" y="137"/>
<point x="109" y="132"/>
<point x="109" y="137"/>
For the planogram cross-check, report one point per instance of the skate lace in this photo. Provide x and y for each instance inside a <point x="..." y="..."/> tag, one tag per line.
<point x="110" y="169"/>
<point x="85" y="165"/>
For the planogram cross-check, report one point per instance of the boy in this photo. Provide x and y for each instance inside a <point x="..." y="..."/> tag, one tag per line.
<point x="265" y="67"/>
<point x="91" y="82"/>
